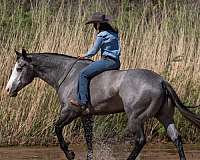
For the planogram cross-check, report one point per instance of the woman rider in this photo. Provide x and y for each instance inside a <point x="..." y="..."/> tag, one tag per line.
<point x="107" y="41"/>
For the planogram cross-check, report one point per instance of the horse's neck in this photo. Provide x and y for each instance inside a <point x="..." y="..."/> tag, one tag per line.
<point x="52" y="71"/>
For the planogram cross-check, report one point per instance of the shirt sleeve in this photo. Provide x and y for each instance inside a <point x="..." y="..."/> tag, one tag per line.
<point x="95" y="48"/>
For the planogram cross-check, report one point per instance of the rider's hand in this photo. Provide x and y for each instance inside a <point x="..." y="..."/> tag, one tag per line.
<point x="81" y="56"/>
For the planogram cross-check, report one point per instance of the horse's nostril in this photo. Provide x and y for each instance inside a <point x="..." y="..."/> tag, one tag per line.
<point x="7" y="89"/>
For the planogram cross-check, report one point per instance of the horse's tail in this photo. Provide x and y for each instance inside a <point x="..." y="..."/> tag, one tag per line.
<point x="195" y="119"/>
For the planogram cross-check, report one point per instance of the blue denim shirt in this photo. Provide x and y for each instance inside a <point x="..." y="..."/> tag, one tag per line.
<point x="108" y="43"/>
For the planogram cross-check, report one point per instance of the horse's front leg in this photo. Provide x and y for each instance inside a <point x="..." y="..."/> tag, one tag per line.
<point x="66" y="116"/>
<point x="88" y="128"/>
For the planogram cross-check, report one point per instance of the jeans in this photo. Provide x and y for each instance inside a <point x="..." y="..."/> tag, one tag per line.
<point x="93" y="69"/>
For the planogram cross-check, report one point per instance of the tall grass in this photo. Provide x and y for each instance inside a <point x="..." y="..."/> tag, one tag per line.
<point x="161" y="37"/>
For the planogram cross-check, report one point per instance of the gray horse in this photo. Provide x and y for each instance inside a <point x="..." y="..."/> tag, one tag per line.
<point x="140" y="93"/>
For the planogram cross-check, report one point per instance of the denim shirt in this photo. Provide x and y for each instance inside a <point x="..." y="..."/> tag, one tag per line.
<point x="108" y="43"/>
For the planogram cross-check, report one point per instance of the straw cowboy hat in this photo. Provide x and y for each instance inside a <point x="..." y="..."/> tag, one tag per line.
<point x="98" y="17"/>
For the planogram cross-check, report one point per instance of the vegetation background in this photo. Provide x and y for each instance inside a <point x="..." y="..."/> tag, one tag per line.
<point x="161" y="35"/>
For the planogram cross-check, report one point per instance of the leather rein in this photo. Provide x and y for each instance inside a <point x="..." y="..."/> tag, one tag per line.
<point x="62" y="79"/>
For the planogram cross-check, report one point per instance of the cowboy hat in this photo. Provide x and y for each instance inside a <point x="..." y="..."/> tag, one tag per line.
<point x="98" y="17"/>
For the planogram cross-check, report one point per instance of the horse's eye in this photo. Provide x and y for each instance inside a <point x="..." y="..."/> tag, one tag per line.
<point x="19" y="69"/>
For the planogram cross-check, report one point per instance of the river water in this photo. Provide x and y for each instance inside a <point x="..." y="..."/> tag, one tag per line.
<point x="101" y="152"/>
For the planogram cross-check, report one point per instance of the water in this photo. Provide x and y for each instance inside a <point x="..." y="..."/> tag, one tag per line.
<point x="101" y="152"/>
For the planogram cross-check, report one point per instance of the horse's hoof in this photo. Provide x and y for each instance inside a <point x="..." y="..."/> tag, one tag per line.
<point x="71" y="155"/>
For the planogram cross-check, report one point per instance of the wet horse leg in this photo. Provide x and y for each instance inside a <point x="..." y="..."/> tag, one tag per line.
<point x="173" y="134"/>
<point x="178" y="141"/>
<point x="165" y="116"/>
<point x="136" y="127"/>
<point x="66" y="116"/>
<point x="88" y="126"/>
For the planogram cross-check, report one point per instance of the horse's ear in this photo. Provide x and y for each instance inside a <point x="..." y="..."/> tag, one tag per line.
<point x="24" y="54"/>
<point x="18" y="54"/>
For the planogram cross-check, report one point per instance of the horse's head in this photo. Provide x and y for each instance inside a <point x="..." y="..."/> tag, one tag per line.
<point x="22" y="74"/>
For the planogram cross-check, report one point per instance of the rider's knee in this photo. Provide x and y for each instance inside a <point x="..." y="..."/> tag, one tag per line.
<point x="83" y="74"/>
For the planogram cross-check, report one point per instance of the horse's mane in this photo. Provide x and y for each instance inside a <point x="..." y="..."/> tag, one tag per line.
<point x="54" y="54"/>
<point x="62" y="55"/>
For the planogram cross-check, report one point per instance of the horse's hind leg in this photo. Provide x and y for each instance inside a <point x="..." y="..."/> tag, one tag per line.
<point x="88" y="127"/>
<point x="66" y="116"/>
<point x="136" y="127"/>
<point x="165" y="116"/>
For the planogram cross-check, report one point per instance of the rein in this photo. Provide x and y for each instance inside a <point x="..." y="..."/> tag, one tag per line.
<point x="66" y="74"/>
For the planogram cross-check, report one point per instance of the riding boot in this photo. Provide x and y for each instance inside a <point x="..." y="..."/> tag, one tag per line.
<point x="78" y="105"/>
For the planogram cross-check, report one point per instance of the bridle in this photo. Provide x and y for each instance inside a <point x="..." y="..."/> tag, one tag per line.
<point x="62" y="79"/>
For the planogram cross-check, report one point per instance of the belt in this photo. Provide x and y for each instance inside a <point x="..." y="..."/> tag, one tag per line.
<point x="109" y="57"/>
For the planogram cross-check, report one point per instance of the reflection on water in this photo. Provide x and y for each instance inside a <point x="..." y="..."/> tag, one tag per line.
<point x="101" y="152"/>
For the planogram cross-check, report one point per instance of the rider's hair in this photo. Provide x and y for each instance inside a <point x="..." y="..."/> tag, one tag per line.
<point x="107" y="27"/>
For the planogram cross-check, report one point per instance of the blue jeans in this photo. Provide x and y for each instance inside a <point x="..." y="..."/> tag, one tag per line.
<point x="93" y="69"/>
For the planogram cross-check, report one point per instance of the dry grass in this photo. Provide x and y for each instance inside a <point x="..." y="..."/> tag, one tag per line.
<point x="168" y="44"/>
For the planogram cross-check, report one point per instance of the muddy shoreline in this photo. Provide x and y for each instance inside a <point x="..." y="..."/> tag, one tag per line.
<point x="101" y="151"/>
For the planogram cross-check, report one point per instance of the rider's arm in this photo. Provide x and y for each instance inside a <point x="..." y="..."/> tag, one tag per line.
<point x="95" y="48"/>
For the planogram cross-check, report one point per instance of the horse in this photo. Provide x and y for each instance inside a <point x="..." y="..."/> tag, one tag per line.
<point x="140" y="93"/>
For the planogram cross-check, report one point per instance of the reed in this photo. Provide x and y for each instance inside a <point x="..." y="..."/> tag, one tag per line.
<point x="162" y="37"/>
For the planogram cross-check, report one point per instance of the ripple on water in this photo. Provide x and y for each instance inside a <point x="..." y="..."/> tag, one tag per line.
<point x="102" y="151"/>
